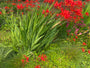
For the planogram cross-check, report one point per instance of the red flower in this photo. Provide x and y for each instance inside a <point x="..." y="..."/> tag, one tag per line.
<point x="38" y="66"/>
<point x="20" y="6"/>
<point x="79" y="3"/>
<point x="38" y="6"/>
<point x="84" y="43"/>
<point x="78" y="12"/>
<point x="83" y="50"/>
<point x="57" y="15"/>
<point x="6" y="7"/>
<point x="87" y="14"/>
<point x="33" y="5"/>
<point x="47" y="11"/>
<point x="84" y="3"/>
<point x="22" y="60"/>
<point x="27" y="61"/>
<point x="66" y="14"/>
<point x="27" y="0"/>
<point x="19" y="0"/>
<point x="13" y="3"/>
<point x="87" y="0"/>
<point x="0" y="12"/>
<point x="73" y="39"/>
<point x="49" y="1"/>
<point x="27" y="5"/>
<point x="56" y="4"/>
<point x="22" y="13"/>
<point x="43" y="12"/>
<point x="42" y="57"/>
<point x="76" y="37"/>
<point x="88" y="51"/>
<point x="27" y="58"/>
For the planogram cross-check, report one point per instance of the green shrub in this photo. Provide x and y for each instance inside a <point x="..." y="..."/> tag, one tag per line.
<point x="32" y="32"/>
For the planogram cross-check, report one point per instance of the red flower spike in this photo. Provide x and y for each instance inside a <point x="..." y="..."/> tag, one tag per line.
<point x="76" y="37"/>
<point x="19" y="0"/>
<point x="6" y="7"/>
<point x="84" y="43"/>
<point x="48" y="1"/>
<point x="57" y="15"/>
<point x="38" y="6"/>
<point x="56" y="4"/>
<point x="27" y="61"/>
<point x="43" y="12"/>
<point x="84" y="3"/>
<point x="27" y="0"/>
<point x="42" y="57"/>
<point x="22" y="13"/>
<point x="87" y="14"/>
<point x="83" y="50"/>
<point x="66" y="14"/>
<point x="27" y="58"/>
<point x="22" y="60"/>
<point x="73" y="39"/>
<point x="38" y="66"/>
<point x="88" y="51"/>
<point x="20" y="6"/>
<point x="87" y="0"/>
<point x="45" y="56"/>
<point x="13" y="3"/>
<point x="47" y="11"/>
<point x="39" y="56"/>
<point x="0" y="13"/>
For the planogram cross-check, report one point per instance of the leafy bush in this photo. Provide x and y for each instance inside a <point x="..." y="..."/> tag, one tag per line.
<point x="32" y="31"/>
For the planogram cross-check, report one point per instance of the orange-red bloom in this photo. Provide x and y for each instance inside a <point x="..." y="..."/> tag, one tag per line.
<point x="42" y="57"/>
<point x="88" y="51"/>
<point x="84" y="43"/>
<point x="73" y="39"/>
<point x="38" y="66"/>
<point x="27" y="58"/>
<point x="13" y="3"/>
<point x="56" y="4"/>
<point x="87" y="14"/>
<point x="38" y="6"/>
<point x="0" y="12"/>
<point x="6" y="7"/>
<point x="83" y="50"/>
<point x="47" y="11"/>
<point x="66" y="14"/>
<point x="43" y="12"/>
<point x="57" y="15"/>
<point x="76" y="37"/>
<point x="19" y="0"/>
<point x="22" y="13"/>
<point x="22" y="60"/>
<point x="20" y="6"/>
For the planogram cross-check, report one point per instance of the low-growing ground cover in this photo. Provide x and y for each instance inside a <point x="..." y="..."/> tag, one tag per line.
<point x="47" y="34"/>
